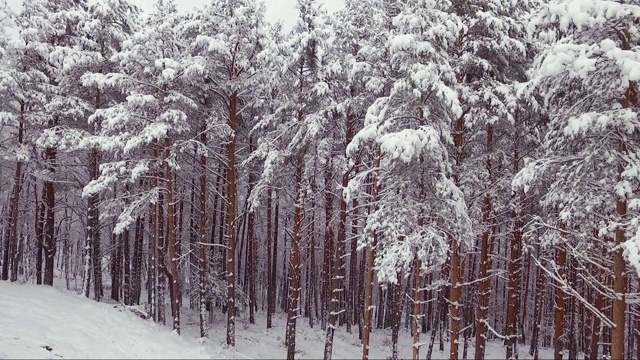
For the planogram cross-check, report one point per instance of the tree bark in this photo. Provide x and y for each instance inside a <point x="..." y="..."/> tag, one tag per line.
<point x="231" y="222"/>
<point x="11" y="245"/>
<point x="270" y="267"/>
<point x="49" y="244"/>
<point x="202" y="249"/>
<point x="294" y="286"/>
<point x="484" y="288"/>
<point x="337" y="283"/>
<point x="537" y="311"/>
<point x="172" y="241"/>
<point x="40" y="214"/>
<point x="561" y="259"/>
<point x="513" y="292"/>
<point x="368" y="305"/>
<point x="327" y="264"/>
<point x="417" y="308"/>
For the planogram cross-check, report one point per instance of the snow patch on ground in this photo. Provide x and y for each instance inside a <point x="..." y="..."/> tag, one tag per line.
<point x="45" y="322"/>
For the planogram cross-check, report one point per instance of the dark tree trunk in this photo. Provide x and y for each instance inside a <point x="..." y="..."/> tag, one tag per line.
<point x="49" y="244"/>
<point x="294" y="286"/>
<point x="270" y="267"/>
<point x="231" y="224"/>
<point x="136" y="270"/>
<point x="40" y="214"/>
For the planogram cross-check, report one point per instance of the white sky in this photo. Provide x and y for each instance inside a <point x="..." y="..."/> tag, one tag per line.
<point x="277" y="10"/>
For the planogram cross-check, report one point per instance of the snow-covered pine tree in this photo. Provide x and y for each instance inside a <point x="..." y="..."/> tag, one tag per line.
<point x="419" y="208"/>
<point x="144" y="135"/>
<point x="490" y="57"/>
<point x="587" y="81"/>
<point x="291" y="135"/>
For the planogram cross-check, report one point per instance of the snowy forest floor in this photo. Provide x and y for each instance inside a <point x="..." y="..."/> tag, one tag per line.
<point x="43" y="322"/>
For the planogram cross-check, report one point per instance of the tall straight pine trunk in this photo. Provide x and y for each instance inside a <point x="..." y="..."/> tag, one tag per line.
<point x="11" y="245"/>
<point x="368" y="297"/>
<point x="231" y="221"/>
<point x="294" y="282"/>
<point x="270" y="267"/>
<point x="172" y="240"/>
<point x="49" y="244"/>
<point x="337" y="281"/>
<point x="484" y="287"/>
<point x="561" y="261"/>
<point x="515" y="264"/>
<point x="456" y="258"/>
<point x="202" y="238"/>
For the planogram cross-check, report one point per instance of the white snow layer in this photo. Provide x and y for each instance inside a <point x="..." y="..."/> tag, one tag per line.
<point x="35" y="318"/>
<point x="44" y="322"/>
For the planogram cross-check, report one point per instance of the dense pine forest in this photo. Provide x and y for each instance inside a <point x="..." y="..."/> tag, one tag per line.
<point x="468" y="170"/>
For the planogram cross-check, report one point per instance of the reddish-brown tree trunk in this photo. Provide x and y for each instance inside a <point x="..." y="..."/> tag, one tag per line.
<point x="202" y="238"/>
<point x="537" y="311"/>
<point x="327" y="264"/>
<point x="368" y="299"/>
<point x="337" y="282"/>
<point x="294" y="285"/>
<point x="484" y="288"/>
<point x="49" y="244"/>
<point x="513" y="292"/>
<point x="561" y="261"/>
<point x="231" y="222"/>
<point x="172" y="241"/>
<point x="417" y="307"/>
<point x="270" y="268"/>
<point x="40" y="214"/>
<point x="619" y="288"/>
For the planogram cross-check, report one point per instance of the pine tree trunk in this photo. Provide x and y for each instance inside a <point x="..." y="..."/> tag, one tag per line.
<point x="337" y="282"/>
<point x="274" y="262"/>
<point x="153" y="263"/>
<point x="368" y="304"/>
<point x="637" y="321"/>
<point x="352" y="318"/>
<point x="202" y="249"/>
<point x="231" y="222"/>
<point x="327" y="263"/>
<point x="513" y="293"/>
<point x="456" y="261"/>
<point x="162" y="257"/>
<point x="312" y="272"/>
<point x="11" y="246"/>
<point x="49" y="245"/>
<point x="116" y="267"/>
<point x="93" y="228"/>
<point x="619" y="265"/>
<point x="126" y="279"/>
<point x="40" y="214"/>
<point x="417" y="308"/>
<point x="561" y="258"/>
<point x="619" y="287"/>
<point x="456" y="298"/>
<point x="172" y="241"/>
<point x="596" y="331"/>
<point x="270" y="267"/>
<point x="484" y="288"/>
<point x="537" y="311"/>
<point x="251" y="266"/>
<point x="136" y="270"/>
<point x="396" y="314"/>
<point x="294" y="286"/>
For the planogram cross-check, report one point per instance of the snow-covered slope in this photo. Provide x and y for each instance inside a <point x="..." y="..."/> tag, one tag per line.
<point x="45" y="322"/>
